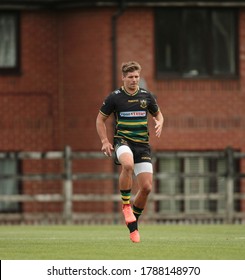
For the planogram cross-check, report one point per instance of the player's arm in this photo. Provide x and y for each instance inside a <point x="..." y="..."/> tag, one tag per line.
<point x="102" y="132"/>
<point x="159" y="120"/>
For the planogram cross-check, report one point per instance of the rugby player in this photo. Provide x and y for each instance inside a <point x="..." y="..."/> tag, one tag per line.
<point x="130" y="105"/>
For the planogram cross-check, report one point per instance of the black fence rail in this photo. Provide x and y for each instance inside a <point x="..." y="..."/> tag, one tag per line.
<point x="230" y="197"/>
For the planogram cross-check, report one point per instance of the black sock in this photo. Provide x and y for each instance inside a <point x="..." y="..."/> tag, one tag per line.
<point x="132" y="226"/>
<point x="137" y="212"/>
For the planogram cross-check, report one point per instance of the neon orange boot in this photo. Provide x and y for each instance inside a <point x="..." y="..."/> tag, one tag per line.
<point x="135" y="236"/>
<point x="128" y="214"/>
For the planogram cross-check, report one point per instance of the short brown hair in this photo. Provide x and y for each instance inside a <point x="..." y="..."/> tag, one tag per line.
<point x="130" y="66"/>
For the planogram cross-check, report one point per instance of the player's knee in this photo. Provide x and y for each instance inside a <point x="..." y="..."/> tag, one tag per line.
<point x="146" y="187"/>
<point x="128" y="168"/>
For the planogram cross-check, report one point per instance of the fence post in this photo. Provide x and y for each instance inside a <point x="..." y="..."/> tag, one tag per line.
<point x="230" y="185"/>
<point x="67" y="186"/>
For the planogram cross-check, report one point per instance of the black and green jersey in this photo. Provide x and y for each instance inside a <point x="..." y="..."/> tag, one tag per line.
<point x="130" y="113"/>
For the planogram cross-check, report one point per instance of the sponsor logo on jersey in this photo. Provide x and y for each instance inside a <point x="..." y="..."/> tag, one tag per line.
<point x="134" y="100"/>
<point x="132" y="114"/>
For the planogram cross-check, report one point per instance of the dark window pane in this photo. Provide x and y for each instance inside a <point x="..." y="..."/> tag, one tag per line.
<point x="168" y="52"/>
<point x="194" y="39"/>
<point x="196" y="42"/>
<point x="223" y="42"/>
<point x="8" y="186"/>
<point x="9" y="43"/>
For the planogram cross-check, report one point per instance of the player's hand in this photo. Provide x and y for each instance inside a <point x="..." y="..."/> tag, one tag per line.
<point x="158" y="127"/>
<point x="107" y="148"/>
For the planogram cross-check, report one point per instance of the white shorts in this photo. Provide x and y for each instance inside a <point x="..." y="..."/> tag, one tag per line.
<point x="138" y="167"/>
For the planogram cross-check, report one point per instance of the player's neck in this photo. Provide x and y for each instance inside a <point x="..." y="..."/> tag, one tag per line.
<point x="129" y="91"/>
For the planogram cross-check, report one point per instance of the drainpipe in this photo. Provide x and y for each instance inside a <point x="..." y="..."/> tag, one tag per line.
<point x="119" y="12"/>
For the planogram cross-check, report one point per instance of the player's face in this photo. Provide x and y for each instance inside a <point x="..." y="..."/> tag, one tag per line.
<point x="131" y="81"/>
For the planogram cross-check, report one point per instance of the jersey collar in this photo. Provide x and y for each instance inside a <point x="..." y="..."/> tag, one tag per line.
<point x="130" y="93"/>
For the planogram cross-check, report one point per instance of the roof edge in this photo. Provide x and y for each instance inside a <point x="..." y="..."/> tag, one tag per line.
<point x="64" y="4"/>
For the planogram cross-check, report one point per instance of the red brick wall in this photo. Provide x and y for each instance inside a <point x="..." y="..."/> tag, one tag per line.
<point x="29" y="102"/>
<point x="86" y="47"/>
<point x="64" y="78"/>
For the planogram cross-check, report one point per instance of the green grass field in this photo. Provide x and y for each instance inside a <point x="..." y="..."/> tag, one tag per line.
<point x="158" y="242"/>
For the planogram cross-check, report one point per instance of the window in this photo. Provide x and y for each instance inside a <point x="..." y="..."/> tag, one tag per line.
<point x="196" y="42"/>
<point x="8" y="186"/>
<point x="188" y="185"/>
<point x="9" y="43"/>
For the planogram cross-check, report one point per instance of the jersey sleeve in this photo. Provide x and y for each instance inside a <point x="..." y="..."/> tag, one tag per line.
<point x="153" y="106"/>
<point x="108" y="106"/>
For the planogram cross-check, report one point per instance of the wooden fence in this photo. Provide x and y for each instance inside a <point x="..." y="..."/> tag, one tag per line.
<point x="68" y="177"/>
